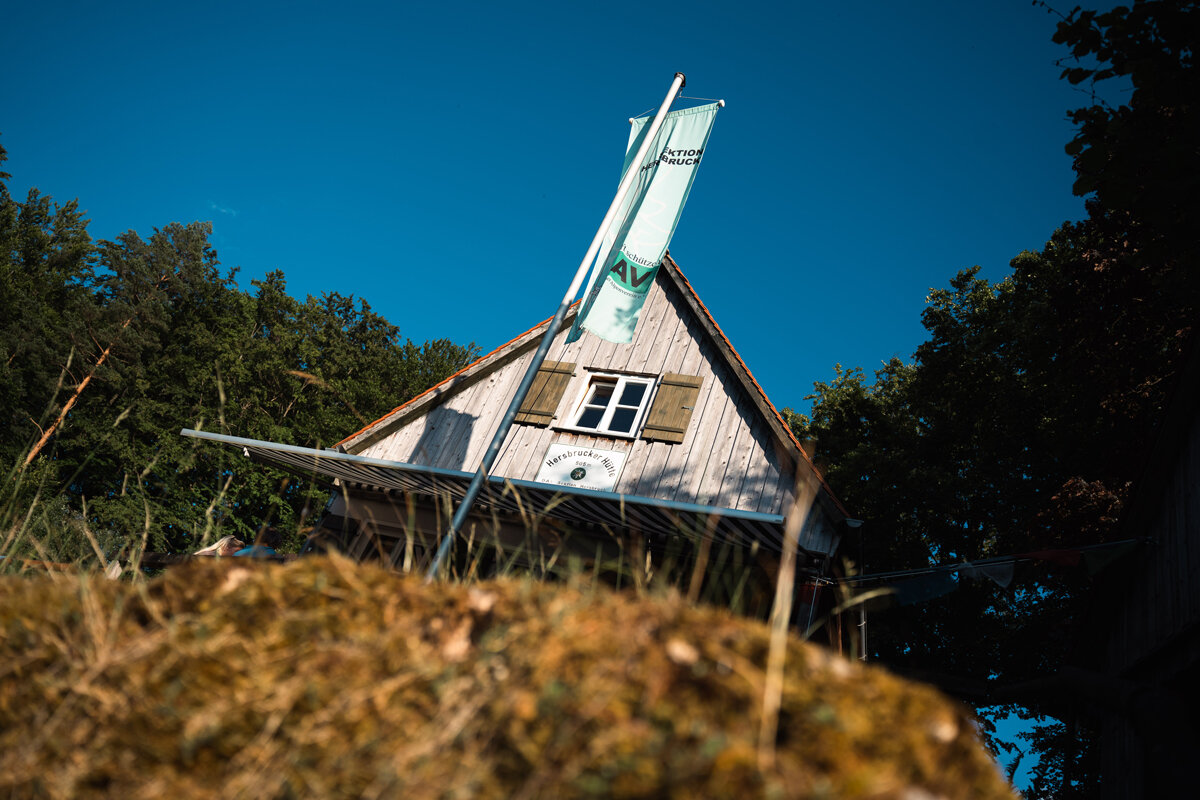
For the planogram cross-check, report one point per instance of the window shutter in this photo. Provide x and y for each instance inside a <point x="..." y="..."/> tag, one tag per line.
<point x="672" y="410"/>
<point x="547" y="389"/>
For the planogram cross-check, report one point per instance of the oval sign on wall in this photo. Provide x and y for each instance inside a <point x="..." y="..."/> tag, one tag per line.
<point x="581" y="467"/>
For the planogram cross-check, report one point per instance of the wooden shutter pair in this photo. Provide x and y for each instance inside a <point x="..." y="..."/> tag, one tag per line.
<point x="545" y="393"/>
<point x="668" y="418"/>
<point x="673" y="406"/>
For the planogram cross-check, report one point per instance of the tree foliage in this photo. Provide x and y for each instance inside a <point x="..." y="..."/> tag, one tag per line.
<point x="46" y="281"/>
<point x="1139" y="158"/>
<point x="1023" y="419"/>
<point x="185" y="348"/>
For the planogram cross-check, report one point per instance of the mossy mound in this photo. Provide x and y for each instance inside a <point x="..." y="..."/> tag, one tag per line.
<point x="326" y="678"/>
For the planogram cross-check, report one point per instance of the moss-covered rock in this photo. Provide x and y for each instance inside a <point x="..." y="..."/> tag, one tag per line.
<point x="326" y="678"/>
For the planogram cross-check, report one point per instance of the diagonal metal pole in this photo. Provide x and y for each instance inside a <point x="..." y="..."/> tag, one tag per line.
<point x="493" y="451"/>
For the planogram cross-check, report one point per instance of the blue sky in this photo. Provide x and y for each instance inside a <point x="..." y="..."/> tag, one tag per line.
<point x="450" y="162"/>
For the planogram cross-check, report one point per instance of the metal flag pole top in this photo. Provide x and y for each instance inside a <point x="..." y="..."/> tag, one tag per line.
<point x="493" y="451"/>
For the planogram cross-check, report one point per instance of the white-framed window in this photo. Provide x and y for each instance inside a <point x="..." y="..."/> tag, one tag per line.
<point x="612" y="405"/>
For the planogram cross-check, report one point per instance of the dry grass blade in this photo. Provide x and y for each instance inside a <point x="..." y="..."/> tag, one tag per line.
<point x="781" y="615"/>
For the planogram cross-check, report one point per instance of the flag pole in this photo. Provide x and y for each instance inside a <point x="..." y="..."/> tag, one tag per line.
<point x="493" y="451"/>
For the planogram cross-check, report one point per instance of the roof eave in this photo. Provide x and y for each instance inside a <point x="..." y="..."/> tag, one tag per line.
<point x="438" y="393"/>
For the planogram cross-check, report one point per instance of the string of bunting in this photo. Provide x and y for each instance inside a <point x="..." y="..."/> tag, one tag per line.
<point x="912" y="586"/>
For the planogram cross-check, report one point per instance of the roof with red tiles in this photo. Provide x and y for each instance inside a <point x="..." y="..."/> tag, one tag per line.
<point x="781" y="428"/>
<point x="473" y="367"/>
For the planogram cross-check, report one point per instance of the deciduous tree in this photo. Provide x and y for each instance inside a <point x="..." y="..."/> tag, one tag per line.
<point x="1022" y="420"/>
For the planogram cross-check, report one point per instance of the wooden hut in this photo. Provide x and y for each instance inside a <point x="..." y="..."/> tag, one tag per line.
<point x="1139" y="671"/>
<point x="618" y="448"/>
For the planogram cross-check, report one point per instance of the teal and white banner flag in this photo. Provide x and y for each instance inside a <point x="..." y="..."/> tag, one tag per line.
<point x="636" y="242"/>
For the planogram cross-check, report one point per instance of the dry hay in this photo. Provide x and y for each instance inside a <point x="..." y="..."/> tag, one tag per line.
<point x="331" y="679"/>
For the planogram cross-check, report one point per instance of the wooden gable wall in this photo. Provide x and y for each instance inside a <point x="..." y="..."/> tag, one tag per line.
<point x="728" y="458"/>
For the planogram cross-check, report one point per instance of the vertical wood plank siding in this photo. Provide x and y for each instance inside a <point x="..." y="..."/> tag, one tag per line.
<point x="1147" y="617"/>
<point x="725" y="456"/>
<point x="1164" y="584"/>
